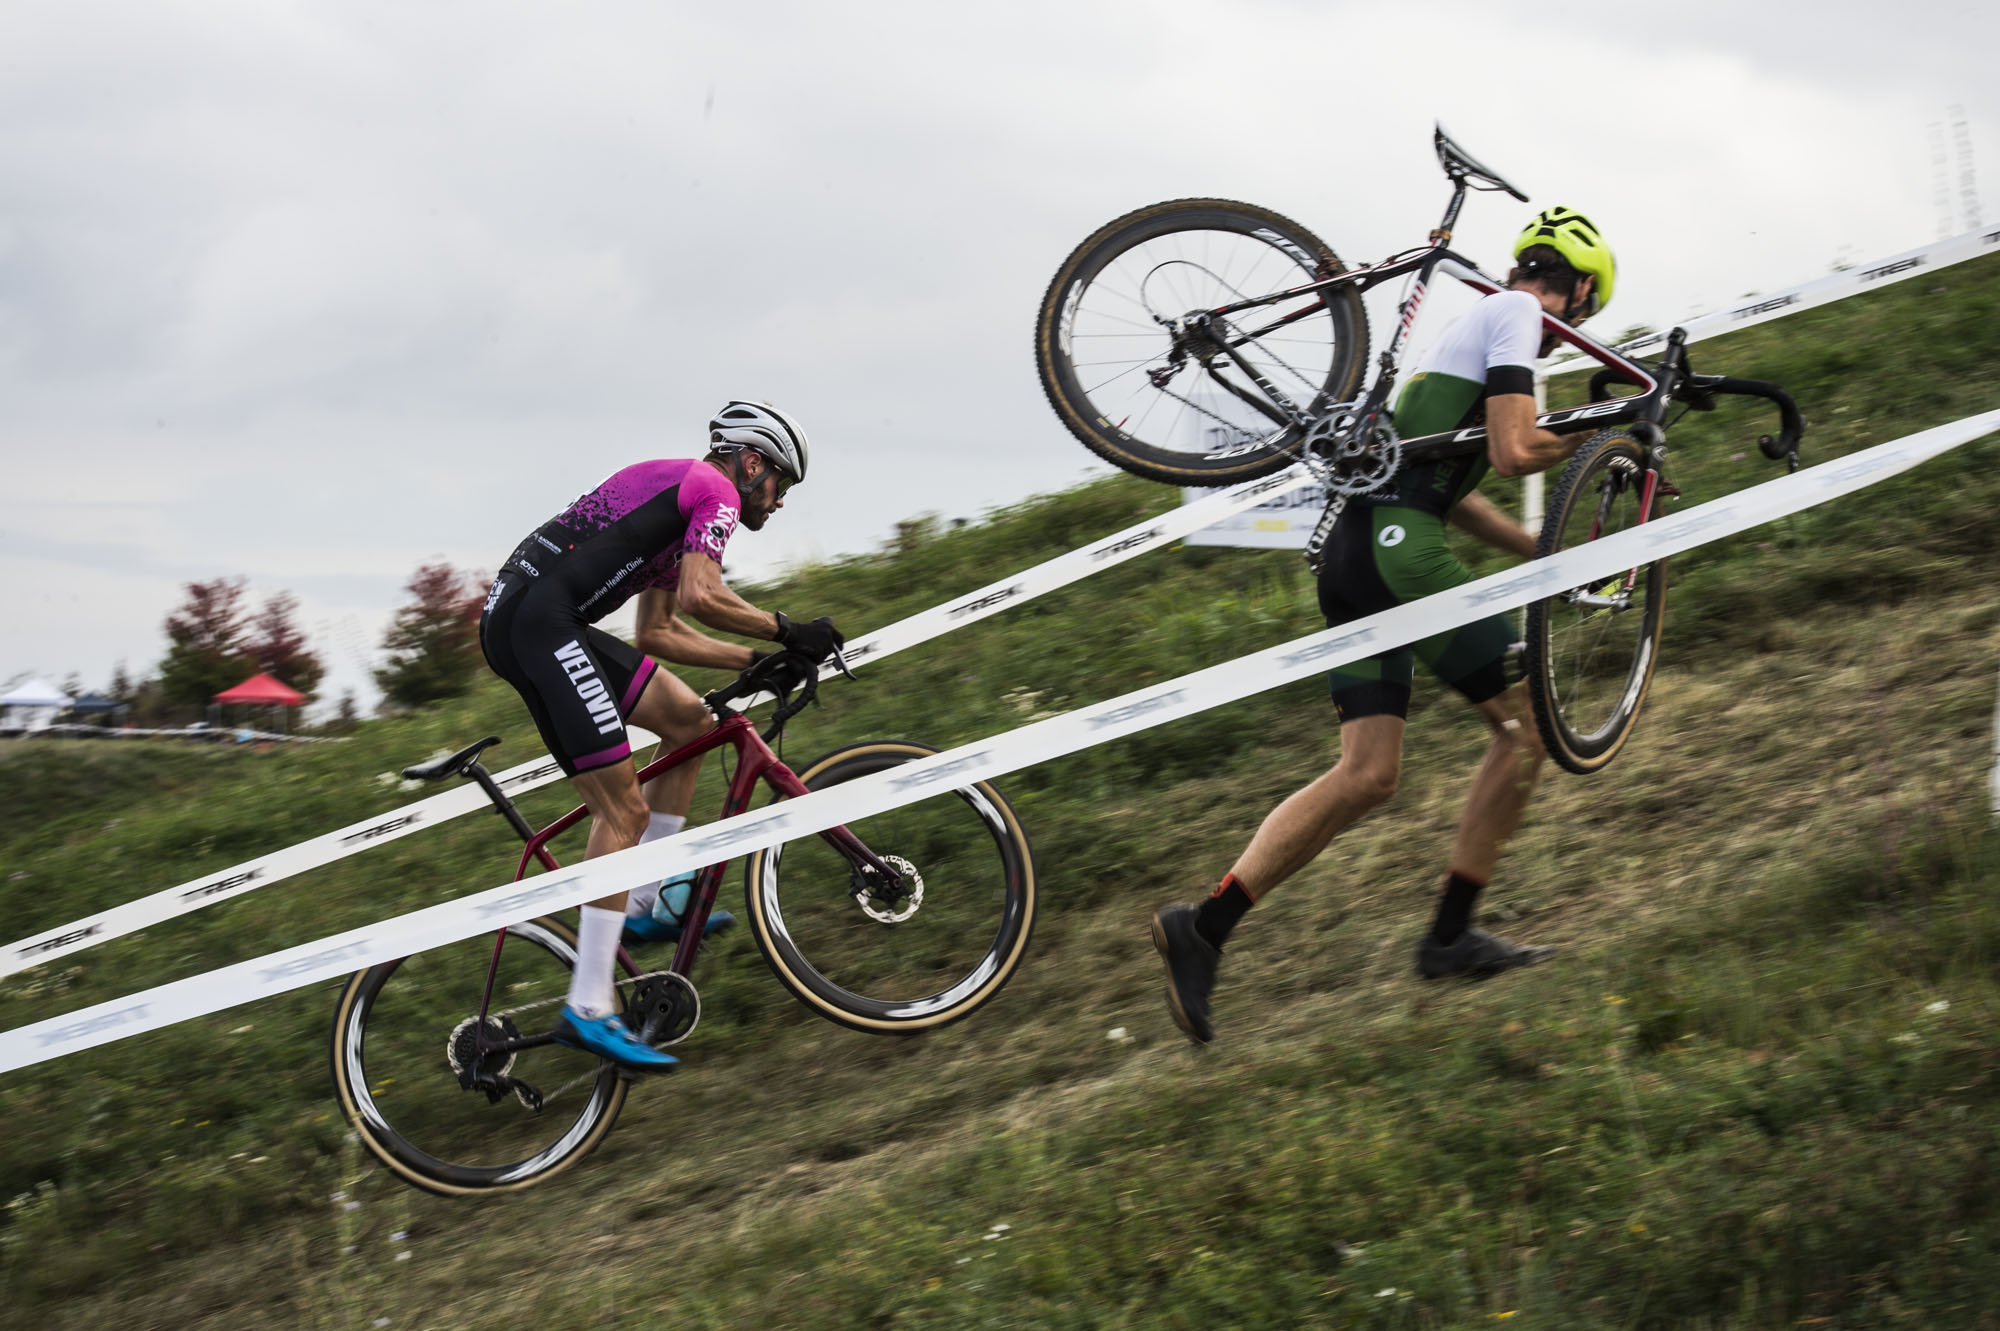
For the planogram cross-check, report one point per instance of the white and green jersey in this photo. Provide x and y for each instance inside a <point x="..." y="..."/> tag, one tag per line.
<point x="1487" y="351"/>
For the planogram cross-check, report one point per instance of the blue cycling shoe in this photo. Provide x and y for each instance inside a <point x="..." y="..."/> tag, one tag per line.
<point x="608" y="1037"/>
<point x="669" y="909"/>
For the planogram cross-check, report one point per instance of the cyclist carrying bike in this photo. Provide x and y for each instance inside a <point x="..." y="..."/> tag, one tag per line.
<point x="656" y="529"/>
<point x="1388" y="549"/>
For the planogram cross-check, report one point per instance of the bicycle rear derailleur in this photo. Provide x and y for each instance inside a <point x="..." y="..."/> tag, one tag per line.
<point x="483" y="1068"/>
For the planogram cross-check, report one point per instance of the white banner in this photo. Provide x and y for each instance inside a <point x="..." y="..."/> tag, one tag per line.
<point x="250" y="875"/>
<point x="787" y="820"/>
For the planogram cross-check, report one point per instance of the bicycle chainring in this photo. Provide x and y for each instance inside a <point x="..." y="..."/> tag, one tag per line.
<point x="664" y="1008"/>
<point x="1352" y="457"/>
<point x="887" y="905"/>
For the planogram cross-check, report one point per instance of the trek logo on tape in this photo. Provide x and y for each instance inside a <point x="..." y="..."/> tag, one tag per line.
<point x="984" y="602"/>
<point x="1119" y="547"/>
<point x="1533" y="580"/>
<point x="77" y="1030"/>
<point x="284" y="970"/>
<point x="221" y="885"/>
<point x="1863" y="466"/>
<point x="1132" y="711"/>
<point x="60" y="940"/>
<point x="860" y="650"/>
<point x="381" y="829"/>
<point x="1763" y="307"/>
<point x="521" y="904"/>
<point x="1891" y="269"/>
<point x="1320" y="651"/>
<point x="1260" y="487"/>
<point x="1990" y="238"/>
<point x="530" y="776"/>
<point x="1703" y="519"/>
<point x="724" y="839"/>
<point x="943" y="773"/>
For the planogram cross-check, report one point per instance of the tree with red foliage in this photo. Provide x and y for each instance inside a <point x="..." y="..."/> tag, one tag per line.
<point x="433" y="643"/>
<point x="280" y="648"/>
<point x="205" y="649"/>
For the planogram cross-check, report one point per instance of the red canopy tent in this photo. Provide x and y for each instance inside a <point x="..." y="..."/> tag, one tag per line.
<point x="263" y="691"/>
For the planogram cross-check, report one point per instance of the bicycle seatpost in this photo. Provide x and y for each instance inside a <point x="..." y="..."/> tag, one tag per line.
<point x="501" y="804"/>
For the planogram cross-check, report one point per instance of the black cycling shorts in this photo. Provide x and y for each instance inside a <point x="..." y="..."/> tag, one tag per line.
<point x="1382" y="556"/>
<point x="580" y="683"/>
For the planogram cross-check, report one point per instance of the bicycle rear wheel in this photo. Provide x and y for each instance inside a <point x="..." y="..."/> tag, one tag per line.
<point x="898" y="959"/>
<point x="1591" y="650"/>
<point x="1140" y="392"/>
<point x="403" y="1029"/>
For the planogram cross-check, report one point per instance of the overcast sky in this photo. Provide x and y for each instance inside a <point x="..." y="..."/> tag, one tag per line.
<point x="312" y="293"/>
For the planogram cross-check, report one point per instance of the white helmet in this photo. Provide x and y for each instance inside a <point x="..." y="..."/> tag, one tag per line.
<point x="761" y="426"/>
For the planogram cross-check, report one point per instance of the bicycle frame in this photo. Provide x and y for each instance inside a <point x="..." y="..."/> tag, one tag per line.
<point x="755" y="762"/>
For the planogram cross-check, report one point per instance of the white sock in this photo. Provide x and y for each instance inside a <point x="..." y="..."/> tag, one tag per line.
<point x="590" y="991"/>
<point x="639" y="901"/>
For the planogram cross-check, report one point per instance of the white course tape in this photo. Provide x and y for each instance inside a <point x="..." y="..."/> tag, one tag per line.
<point x="330" y="958"/>
<point x="250" y="875"/>
<point x="1821" y="291"/>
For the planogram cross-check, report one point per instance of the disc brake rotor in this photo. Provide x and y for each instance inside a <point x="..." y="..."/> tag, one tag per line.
<point x="883" y="905"/>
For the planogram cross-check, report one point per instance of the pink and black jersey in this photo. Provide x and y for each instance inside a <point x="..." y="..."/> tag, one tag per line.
<point x="631" y="532"/>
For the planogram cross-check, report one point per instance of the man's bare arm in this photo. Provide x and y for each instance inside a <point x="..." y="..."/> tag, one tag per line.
<point x="704" y="597"/>
<point x="1482" y="518"/>
<point x="665" y="636"/>
<point x="1514" y="444"/>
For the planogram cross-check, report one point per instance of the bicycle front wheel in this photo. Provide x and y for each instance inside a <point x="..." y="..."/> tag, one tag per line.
<point x="1125" y="374"/>
<point x="405" y="1031"/>
<point x="1591" y="649"/>
<point x="897" y="957"/>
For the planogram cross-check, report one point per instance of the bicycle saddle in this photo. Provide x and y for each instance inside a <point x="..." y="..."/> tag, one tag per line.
<point x="456" y="764"/>
<point x="1457" y="162"/>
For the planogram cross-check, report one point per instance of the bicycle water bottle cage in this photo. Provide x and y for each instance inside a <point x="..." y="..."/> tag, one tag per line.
<point x="455" y="765"/>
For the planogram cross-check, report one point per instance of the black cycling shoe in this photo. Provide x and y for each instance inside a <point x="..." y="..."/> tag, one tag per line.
<point x="1474" y="955"/>
<point x="1191" y="964"/>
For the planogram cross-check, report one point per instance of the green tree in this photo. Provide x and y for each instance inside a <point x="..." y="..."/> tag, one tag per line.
<point x="205" y="643"/>
<point x="433" y="644"/>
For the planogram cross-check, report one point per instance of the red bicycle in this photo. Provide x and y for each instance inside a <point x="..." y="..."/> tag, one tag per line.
<point x="903" y="922"/>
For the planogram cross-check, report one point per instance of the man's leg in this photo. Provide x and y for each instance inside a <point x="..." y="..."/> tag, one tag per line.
<point x="1494" y="807"/>
<point x="1190" y="938"/>
<point x="590" y="1015"/>
<point x="675" y="712"/>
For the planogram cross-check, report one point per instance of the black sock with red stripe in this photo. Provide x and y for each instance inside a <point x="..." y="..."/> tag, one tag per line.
<point x="1215" y="917"/>
<point x="1454" y="912"/>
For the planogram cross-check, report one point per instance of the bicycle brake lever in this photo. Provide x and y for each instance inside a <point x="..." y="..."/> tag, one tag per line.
<point x="840" y="660"/>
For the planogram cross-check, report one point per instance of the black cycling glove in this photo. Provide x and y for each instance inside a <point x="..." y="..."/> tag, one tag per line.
<point x="815" y="641"/>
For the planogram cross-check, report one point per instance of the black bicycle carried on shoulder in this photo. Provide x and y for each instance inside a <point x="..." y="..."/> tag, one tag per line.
<point x="898" y="923"/>
<point x="1208" y="342"/>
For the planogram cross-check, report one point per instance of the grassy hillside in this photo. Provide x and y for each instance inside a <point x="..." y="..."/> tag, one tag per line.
<point x="1758" y="1088"/>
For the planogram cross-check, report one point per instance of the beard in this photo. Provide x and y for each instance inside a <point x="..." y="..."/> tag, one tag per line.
<point x="754" y="516"/>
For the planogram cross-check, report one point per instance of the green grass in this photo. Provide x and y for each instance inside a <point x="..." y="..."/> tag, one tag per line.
<point x="1756" y="1090"/>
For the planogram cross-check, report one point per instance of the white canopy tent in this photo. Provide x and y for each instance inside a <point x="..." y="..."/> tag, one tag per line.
<point x="34" y="705"/>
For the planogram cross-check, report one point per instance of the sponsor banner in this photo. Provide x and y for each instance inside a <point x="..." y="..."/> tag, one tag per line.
<point x="1283" y="521"/>
<point x="920" y="628"/>
<point x="1822" y="291"/>
<point x="1041" y="741"/>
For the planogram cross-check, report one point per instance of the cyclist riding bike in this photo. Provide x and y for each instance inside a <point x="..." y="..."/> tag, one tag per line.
<point x="656" y="529"/>
<point x="1388" y="549"/>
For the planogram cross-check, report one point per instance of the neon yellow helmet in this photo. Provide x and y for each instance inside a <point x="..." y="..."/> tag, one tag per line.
<point x="1572" y="235"/>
